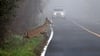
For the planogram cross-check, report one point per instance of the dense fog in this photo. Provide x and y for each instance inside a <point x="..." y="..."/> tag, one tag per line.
<point x="29" y="15"/>
<point x="80" y="9"/>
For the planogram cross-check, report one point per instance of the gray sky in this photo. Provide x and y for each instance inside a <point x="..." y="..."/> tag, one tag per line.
<point x="84" y="9"/>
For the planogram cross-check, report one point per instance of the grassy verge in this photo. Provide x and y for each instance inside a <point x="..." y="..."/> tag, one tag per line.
<point x="22" y="47"/>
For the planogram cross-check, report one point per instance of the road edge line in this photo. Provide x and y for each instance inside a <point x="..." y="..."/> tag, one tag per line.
<point x="48" y="42"/>
<point x="86" y="29"/>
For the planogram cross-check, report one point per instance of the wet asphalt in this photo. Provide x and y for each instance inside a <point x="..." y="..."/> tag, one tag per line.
<point x="71" y="40"/>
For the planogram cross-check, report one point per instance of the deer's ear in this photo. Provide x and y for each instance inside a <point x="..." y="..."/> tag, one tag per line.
<point x="26" y="35"/>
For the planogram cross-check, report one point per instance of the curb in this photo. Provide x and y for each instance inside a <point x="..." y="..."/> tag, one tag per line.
<point x="48" y="42"/>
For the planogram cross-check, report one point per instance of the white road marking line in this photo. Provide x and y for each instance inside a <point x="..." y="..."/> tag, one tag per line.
<point x="84" y="28"/>
<point x="48" y="42"/>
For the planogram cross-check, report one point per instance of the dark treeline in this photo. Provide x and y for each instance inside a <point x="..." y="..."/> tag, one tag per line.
<point x="6" y="13"/>
<point x="19" y="16"/>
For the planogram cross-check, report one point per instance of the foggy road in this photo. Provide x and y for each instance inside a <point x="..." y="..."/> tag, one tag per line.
<point x="72" y="40"/>
<point x="78" y="34"/>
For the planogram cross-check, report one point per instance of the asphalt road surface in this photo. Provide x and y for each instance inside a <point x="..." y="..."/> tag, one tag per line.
<point x="72" y="38"/>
